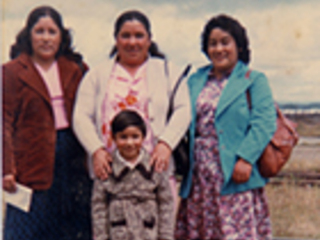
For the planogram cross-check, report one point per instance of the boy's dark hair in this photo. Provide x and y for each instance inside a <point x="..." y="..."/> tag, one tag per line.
<point x="127" y="118"/>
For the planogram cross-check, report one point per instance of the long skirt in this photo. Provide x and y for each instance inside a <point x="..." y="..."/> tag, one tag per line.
<point x="207" y="215"/>
<point x="63" y="211"/>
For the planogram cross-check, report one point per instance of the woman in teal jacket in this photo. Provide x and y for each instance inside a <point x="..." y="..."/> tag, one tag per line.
<point x="223" y="195"/>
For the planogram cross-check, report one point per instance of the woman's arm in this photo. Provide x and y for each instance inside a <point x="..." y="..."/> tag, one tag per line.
<point x="10" y="111"/>
<point x="84" y="125"/>
<point x="181" y="115"/>
<point x="84" y="122"/>
<point x="262" y="127"/>
<point x="177" y="125"/>
<point x="262" y="120"/>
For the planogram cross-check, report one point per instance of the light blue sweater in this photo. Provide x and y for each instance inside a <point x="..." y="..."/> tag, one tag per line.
<point x="241" y="133"/>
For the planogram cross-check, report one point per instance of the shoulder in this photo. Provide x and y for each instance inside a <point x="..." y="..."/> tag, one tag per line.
<point x="164" y="65"/>
<point x="15" y="68"/>
<point x="258" y="78"/>
<point x="105" y="63"/>
<point x="259" y="85"/>
<point x="66" y="64"/>
<point x="255" y="74"/>
<point x="10" y="64"/>
<point x="10" y="69"/>
<point x="156" y="61"/>
<point x="102" y="69"/>
<point x="243" y="71"/>
<point x="10" y="72"/>
<point x="200" y="72"/>
<point x="13" y="65"/>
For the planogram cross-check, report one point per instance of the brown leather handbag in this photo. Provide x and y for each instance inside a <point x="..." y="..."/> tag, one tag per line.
<point x="279" y="149"/>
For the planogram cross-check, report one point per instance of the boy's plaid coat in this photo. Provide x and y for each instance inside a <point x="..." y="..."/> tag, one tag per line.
<point x="133" y="204"/>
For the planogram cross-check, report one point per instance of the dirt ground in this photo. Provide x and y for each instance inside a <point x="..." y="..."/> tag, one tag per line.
<point x="295" y="210"/>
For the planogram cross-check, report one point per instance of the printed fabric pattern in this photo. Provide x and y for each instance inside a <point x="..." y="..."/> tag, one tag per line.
<point x="206" y="214"/>
<point x="126" y="92"/>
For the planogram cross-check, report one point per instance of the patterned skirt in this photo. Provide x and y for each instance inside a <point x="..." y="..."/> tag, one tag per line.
<point x="207" y="215"/>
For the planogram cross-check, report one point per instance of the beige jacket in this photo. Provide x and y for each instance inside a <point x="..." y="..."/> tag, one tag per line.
<point x="133" y="204"/>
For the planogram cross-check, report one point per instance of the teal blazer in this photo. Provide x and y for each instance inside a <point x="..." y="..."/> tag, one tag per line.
<point x="242" y="133"/>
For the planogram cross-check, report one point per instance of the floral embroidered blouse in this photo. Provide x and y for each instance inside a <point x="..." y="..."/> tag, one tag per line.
<point x="126" y="92"/>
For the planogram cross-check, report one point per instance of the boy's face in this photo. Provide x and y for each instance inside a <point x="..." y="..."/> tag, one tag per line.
<point x="129" y="142"/>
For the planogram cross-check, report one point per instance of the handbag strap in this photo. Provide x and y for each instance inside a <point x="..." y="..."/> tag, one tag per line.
<point x="278" y="111"/>
<point x="247" y="76"/>
<point x="175" y="89"/>
<point x="248" y="95"/>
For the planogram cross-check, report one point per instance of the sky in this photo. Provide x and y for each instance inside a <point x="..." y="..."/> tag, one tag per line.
<point x="284" y="35"/>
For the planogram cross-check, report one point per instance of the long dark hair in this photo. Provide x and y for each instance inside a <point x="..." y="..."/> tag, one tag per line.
<point x="136" y="15"/>
<point x="234" y="28"/>
<point x="23" y="39"/>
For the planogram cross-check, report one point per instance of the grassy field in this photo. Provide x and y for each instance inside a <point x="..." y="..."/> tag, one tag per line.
<point x="295" y="210"/>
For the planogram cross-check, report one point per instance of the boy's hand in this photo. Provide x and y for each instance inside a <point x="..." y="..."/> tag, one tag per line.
<point x="101" y="163"/>
<point x="161" y="156"/>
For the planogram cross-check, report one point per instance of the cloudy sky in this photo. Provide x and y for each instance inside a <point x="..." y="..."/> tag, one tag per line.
<point x="284" y="35"/>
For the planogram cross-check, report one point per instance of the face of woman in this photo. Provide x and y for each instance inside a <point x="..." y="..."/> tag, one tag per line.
<point x="133" y="42"/>
<point x="45" y="39"/>
<point x="222" y="50"/>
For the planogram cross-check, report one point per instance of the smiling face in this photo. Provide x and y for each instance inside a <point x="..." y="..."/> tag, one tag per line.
<point x="45" y="39"/>
<point x="222" y="51"/>
<point x="133" y="42"/>
<point x="129" y="142"/>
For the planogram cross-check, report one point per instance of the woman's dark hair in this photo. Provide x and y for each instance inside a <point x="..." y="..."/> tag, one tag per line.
<point x="23" y="39"/>
<point x="127" y="118"/>
<point x="234" y="28"/>
<point x="136" y="15"/>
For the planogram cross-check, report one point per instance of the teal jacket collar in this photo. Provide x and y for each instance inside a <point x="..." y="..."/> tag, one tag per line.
<point x="237" y="84"/>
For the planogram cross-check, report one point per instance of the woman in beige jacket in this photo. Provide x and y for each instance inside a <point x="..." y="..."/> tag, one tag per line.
<point x="136" y="77"/>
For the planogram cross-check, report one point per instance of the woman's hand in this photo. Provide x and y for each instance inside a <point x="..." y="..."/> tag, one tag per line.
<point x="101" y="163"/>
<point x="9" y="183"/>
<point x="242" y="171"/>
<point x="161" y="156"/>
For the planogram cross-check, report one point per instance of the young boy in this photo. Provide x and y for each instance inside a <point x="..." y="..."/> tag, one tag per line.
<point x="135" y="202"/>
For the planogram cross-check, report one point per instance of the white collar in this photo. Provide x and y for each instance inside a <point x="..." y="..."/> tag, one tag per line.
<point x="127" y="163"/>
